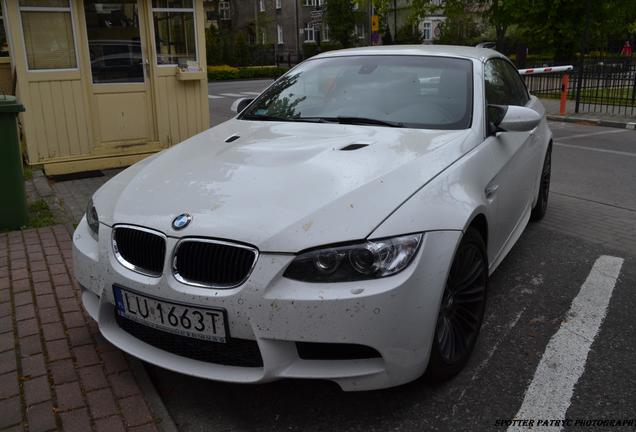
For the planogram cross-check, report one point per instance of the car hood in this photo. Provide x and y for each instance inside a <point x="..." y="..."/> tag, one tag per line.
<point x="281" y="186"/>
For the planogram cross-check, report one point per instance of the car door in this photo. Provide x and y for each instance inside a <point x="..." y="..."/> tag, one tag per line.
<point x="514" y="183"/>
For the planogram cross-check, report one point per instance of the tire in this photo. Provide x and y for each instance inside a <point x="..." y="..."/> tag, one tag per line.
<point x="461" y="310"/>
<point x="541" y="206"/>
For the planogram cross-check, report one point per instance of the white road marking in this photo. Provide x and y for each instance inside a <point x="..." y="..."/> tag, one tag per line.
<point x="252" y="93"/>
<point x="615" y="131"/>
<point x="616" y="152"/>
<point x="215" y="97"/>
<point x="235" y="95"/>
<point x="563" y="362"/>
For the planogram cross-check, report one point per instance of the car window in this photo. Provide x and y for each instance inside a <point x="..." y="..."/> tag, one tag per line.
<point x="503" y="84"/>
<point x="413" y="91"/>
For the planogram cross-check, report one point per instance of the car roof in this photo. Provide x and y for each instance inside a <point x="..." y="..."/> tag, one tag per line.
<point x="423" y="50"/>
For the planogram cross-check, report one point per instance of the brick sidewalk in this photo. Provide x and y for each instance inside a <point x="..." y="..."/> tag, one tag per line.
<point x="56" y="370"/>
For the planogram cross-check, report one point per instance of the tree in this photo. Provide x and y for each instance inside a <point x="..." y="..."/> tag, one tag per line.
<point x="341" y="17"/>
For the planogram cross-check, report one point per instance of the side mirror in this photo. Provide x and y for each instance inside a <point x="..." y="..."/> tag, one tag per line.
<point x="513" y="118"/>
<point x="240" y="104"/>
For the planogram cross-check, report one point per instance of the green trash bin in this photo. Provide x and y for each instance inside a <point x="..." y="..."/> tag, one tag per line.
<point x="13" y="212"/>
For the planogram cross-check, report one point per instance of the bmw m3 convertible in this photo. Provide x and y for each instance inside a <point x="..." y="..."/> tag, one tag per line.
<point x="342" y="226"/>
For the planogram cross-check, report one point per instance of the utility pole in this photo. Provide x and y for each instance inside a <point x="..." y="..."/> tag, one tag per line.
<point x="579" y="81"/>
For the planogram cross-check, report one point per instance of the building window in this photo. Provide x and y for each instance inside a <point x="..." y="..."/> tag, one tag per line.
<point x="175" y="33"/>
<point x="263" y="37"/>
<point x="359" y="31"/>
<point x="261" y="5"/>
<point x="426" y="30"/>
<point x="310" y="3"/>
<point x="114" y="41"/>
<point x="279" y="34"/>
<point x="310" y="33"/>
<point x="279" y="4"/>
<point x="4" y="44"/>
<point x="48" y="34"/>
<point x="324" y="36"/>
<point x="224" y="10"/>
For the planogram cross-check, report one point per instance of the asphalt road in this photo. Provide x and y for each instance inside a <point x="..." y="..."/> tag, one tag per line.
<point x="546" y="287"/>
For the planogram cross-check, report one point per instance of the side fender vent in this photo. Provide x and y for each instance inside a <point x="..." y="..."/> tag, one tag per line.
<point x="351" y="147"/>
<point x="232" y="138"/>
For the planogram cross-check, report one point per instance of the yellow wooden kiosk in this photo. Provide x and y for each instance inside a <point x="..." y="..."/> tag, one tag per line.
<point x="104" y="84"/>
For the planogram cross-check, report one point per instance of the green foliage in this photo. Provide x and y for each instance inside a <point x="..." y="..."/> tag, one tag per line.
<point x="39" y="215"/>
<point x="341" y="19"/>
<point x="407" y="35"/>
<point x="218" y="73"/>
<point x="27" y="173"/>
<point x="310" y="49"/>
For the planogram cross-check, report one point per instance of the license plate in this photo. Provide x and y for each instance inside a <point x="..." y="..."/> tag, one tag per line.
<point x="185" y="320"/>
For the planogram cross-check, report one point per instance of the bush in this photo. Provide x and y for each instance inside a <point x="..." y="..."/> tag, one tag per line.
<point x="225" y="72"/>
<point x="310" y="49"/>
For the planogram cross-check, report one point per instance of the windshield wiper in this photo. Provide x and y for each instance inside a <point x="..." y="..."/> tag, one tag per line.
<point x="282" y="119"/>
<point x="356" y="120"/>
<point x="264" y="117"/>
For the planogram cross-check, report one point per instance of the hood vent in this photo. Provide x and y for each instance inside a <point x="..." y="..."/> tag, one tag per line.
<point x="232" y="138"/>
<point x="351" y="147"/>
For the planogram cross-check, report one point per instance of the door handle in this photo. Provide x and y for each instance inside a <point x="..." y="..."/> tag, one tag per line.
<point x="490" y="190"/>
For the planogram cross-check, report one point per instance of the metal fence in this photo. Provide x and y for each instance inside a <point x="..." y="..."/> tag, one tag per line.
<point x="605" y="85"/>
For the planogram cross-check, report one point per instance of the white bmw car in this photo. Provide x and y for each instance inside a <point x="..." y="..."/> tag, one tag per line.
<point x="342" y="226"/>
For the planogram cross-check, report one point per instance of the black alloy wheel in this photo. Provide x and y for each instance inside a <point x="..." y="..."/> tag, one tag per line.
<point x="462" y="309"/>
<point x="541" y="206"/>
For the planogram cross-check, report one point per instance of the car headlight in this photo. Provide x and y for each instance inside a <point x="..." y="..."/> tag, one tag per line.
<point x="361" y="261"/>
<point x="91" y="217"/>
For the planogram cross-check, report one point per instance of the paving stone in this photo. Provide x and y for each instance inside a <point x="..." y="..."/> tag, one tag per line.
<point x="24" y="312"/>
<point x="135" y="411"/>
<point x="69" y="305"/>
<point x="69" y="396"/>
<point x="45" y="301"/>
<point x="33" y="366"/>
<point x="30" y="345"/>
<point x="28" y="327"/>
<point x="40" y="276"/>
<point x="64" y="291"/>
<point x="93" y="378"/>
<point x="57" y="349"/>
<point x="63" y="371"/>
<point x="6" y="324"/>
<point x="74" y="319"/>
<point x="49" y="315"/>
<point x="22" y="298"/>
<point x="21" y="285"/>
<point x="7" y="341"/>
<point x="36" y="390"/>
<point x="114" y="361"/>
<point x="101" y="403"/>
<point x="110" y="424"/>
<point x="41" y="418"/>
<point x="53" y="331"/>
<point x="85" y="355"/>
<point x="9" y="385"/>
<point x="7" y="361"/>
<point x="123" y="384"/>
<point x="41" y="288"/>
<point x="11" y="412"/>
<point x="150" y="427"/>
<point x="79" y="336"/>
<point x="76" y="420"/>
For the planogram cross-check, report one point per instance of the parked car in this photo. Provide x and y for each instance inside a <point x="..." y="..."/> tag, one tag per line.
<point x="342" y="226"/>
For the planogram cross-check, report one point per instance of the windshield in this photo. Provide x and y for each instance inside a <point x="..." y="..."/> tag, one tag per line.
<point x="384" y="90"/>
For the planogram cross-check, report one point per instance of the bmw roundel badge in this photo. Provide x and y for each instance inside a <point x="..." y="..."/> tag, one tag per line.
<point x="181" y="221"/>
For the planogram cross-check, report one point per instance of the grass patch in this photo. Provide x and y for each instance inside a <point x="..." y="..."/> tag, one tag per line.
<point x="27" y="173"/>
<point x="216" y="73"/>
<point x="39" y="215"/>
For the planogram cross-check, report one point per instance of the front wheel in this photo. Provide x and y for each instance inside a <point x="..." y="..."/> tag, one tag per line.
<point x="462" y="309"/>
<point x="538" y="212"/>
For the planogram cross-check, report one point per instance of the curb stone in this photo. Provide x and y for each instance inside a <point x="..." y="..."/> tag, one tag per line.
<point x="593" y="121"/>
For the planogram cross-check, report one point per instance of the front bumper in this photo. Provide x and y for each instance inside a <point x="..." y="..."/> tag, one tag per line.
<point x="395" y="315"/>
